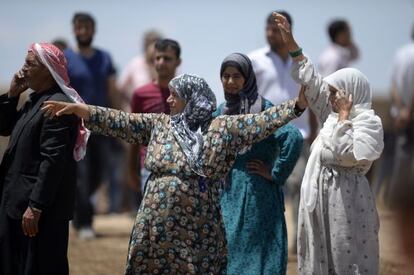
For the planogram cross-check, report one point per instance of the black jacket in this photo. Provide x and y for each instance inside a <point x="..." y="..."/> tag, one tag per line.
<point x="38" y="166"/>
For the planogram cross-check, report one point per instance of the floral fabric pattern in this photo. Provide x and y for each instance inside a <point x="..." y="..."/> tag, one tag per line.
<point x="179" y="228"/>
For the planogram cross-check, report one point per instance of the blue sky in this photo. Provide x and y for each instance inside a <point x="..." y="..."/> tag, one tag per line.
<point x="209" y="30"/>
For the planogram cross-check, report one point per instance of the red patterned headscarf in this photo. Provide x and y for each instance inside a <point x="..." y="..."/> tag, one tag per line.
<point x="54" y="59"/>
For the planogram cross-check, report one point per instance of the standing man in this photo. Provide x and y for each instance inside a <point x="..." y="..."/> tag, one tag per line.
<point x="38" y="170"/>
<point x="139" y="71"/>
<point x="402" y="94"/>
<point x="342" y="50"/>
<point x="272" y="66"/>
<point x="152" y="98"/>
<point x="401" y="195"/>
<point x="92" y="74"/>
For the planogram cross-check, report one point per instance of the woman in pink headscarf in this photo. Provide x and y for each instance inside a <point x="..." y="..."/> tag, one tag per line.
<point x="38" y="170"/>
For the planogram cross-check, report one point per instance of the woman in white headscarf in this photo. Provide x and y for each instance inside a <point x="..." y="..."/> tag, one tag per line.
<point x="178" y="228"/>
<point x="338" y="220"/>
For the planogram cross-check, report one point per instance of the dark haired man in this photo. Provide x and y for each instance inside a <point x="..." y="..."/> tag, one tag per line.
<point x="152" y="98"/>
<point x="92" y="74"/>
<point x="342" y="50"/>
<point x="272" y="65"/>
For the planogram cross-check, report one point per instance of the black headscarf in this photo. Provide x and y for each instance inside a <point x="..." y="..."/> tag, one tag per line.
<point x="247" y="100"/>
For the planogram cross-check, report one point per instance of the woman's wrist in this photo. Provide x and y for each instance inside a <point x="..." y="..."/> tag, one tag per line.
<point x="84" y="111"/>
<point x="295" y="51"/>
<point x="343" y="115"/>
<point x="292" y="45"/>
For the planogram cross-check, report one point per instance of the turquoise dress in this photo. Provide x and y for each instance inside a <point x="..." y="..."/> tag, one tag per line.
<point x="253" y="207"/>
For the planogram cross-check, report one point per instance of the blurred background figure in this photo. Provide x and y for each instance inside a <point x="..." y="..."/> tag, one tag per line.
<point x="139" y="71"/>
<point x="342" y="50"/>
<point x="92" y="74"/>
<point x="401" y="191"/>
<point x="61" y="43"/>
<point x="272" y="66"/>
<point x="152" y="98"/>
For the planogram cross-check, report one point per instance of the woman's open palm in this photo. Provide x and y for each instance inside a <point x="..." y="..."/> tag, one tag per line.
<point x="58" y="108"/>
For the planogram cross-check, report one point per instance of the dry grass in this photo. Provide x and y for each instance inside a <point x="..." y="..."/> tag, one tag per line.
<point x="106" y="255"/>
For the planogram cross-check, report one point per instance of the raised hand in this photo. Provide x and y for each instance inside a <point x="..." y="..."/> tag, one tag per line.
<point x="287" y="36"/>
<point x="58" y="108"/>
<point x="18" y="84"/>
<point x="284" y="27"/>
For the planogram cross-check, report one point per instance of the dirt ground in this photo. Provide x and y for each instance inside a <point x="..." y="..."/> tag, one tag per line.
<point x="106" y="255"/>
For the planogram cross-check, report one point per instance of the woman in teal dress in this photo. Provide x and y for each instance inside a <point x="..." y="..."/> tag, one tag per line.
<point x="178" y="227"/>
<point x="252" y="201"/>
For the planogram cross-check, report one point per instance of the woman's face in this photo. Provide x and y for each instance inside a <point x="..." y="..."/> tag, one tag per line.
<point x="332" y="97"/>
<point x="232" y="80"/>
<point x="176" y="103"/>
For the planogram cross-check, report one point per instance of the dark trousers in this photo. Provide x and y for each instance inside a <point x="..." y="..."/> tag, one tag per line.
<point x="45" y="254"/>
<point x="92" y="170"/>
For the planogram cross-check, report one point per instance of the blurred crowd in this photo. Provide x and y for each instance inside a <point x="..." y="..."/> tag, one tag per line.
<point x="111" y="178"/>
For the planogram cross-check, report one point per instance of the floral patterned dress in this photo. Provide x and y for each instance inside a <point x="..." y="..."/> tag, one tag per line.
<point x="178" y="227"/>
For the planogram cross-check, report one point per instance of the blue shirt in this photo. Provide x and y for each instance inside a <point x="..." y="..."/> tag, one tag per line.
<point x="89" y="75"/>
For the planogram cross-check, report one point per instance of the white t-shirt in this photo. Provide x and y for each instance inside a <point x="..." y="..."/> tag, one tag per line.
<point x="134" y="75"/>
<point x="333" y="58"/>
<point x="275" y="83"/>
<point x="403" y="73"/>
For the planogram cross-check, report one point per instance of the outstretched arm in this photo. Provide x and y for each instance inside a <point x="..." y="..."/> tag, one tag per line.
<point x="133" y="128"/>
<point x="242" y="131"/>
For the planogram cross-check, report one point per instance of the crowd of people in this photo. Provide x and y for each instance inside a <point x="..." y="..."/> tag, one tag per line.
<point x="207" y="182"/>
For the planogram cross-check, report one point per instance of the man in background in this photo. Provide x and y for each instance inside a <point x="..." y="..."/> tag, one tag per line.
<point x="139" y="71"/>
<point x="401" y="195"/>
<point x="92" y="74"/>
<point x="152" y="98"/>
<point x="341" y="52"/>
<point x="272" y="66"/>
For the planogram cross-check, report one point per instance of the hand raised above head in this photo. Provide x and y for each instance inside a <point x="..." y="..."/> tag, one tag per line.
<point x="286" y="32"/>
<point x="284" y="27"/>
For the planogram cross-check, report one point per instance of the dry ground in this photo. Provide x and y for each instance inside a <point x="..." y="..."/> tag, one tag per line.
<point x="106" y="254"/>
